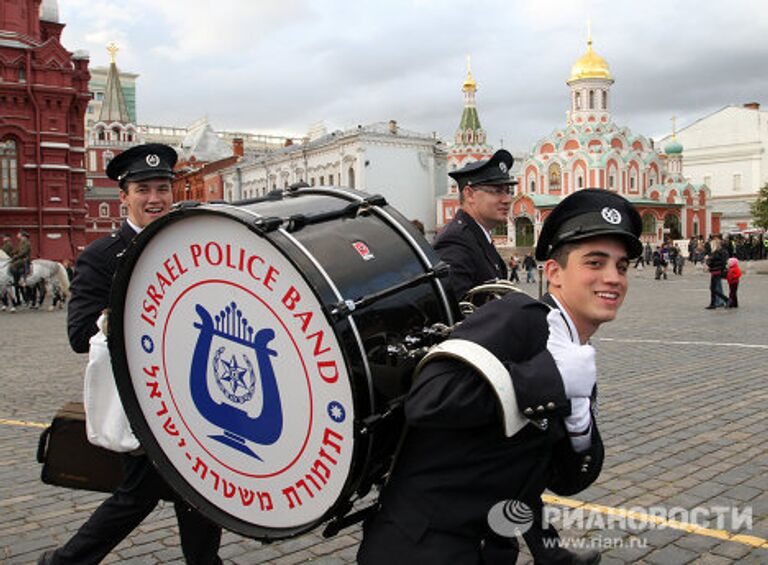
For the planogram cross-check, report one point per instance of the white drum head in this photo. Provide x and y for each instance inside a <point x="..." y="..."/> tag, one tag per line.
<point x="237" y="375"/>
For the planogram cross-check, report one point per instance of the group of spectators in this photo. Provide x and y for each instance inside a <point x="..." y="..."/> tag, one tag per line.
<point x="528" y="264"/>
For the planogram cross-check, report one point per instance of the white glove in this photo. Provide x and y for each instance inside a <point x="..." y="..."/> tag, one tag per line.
<point x="578" y="424"/>
<point x="575" y="362"/>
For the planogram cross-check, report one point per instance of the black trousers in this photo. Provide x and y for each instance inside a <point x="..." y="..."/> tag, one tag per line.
<point x="126" y="508"/>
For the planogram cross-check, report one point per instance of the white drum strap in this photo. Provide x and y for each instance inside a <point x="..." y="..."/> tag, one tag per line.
<point x="485" y="363"/>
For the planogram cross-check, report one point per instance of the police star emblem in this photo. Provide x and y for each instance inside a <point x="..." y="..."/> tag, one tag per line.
<point x="153" y="160"/>
<point x="503" y="168"/>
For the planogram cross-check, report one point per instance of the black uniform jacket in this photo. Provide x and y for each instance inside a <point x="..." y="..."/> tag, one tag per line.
<point x="455" y="462"/>
<point x="91" y="285"/>
<point x="473" y="259"/>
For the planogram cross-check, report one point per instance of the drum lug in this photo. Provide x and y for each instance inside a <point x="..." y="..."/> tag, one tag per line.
<point x="368" y="425"/>
<point x="266" y="225"/>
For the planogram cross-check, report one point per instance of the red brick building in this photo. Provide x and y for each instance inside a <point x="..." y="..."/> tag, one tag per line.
<point x="43" y="97"/>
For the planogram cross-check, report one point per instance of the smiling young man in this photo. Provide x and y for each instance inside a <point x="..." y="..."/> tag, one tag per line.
<point x="144" y="174"/>
<point x="466" y="243"/>
<point x="457" y="461"/>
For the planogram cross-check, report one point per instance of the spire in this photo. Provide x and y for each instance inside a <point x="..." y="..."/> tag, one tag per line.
<point x="113" y="108"/>
<point x="469" y="118"/>
<point x="469" y="82"/>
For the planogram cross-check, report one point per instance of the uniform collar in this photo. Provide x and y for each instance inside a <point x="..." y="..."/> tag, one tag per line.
<point x="552" y="301"/>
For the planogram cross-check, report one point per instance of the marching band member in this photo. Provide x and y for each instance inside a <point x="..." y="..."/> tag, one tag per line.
<point x="144" y="174"/>
<point x="456" y="462"/>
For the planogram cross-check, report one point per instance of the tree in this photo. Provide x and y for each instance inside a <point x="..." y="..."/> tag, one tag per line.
<point x="759" y="208"/>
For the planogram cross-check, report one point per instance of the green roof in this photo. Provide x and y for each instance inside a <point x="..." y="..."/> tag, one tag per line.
<point x="469" y="119"/>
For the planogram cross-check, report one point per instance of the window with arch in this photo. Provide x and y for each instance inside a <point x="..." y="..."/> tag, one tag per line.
<point x="322" y="180"/>
<point x="611" y="179"/>
<point x="605" y="99"/>
<point x="22" y="73"/>
<point x="330" y="180"/>
<point x="116" y="133"/>
<point x="351" y="177"/>
<point x="632" y="179"/>
<point x="107" y="156"/>
<point x="9" y="177"/>
<point x="591" y="99"/>
<point x="695" y="226"/>
<point x="577" y="101"/>
<point x="580" y="181"/>
<point x="101" y="134"/>
<point x="533" y="185"/>
<point x="104" y="210"/>
<point x="649" y="223"/>
<point x="554" y="176"/>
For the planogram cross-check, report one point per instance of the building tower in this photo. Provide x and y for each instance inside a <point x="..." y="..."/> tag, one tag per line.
<point x="43" y="96"/>
<point x="469" y="142"/>
<point x="590" y="83"/>
<point x="674" y="152"/>
<point x="113" y="133"/>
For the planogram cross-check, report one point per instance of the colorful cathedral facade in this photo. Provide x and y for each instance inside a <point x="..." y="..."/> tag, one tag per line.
<point x="592" y="151"/>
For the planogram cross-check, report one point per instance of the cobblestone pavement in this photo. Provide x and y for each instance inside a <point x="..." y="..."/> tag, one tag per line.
<point x="683" y="399"/>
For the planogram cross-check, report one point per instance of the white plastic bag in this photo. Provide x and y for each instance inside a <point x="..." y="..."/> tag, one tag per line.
<point x="106" y="424"/>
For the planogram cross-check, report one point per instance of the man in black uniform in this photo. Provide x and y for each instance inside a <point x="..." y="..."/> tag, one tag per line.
<point x="144" y="173"/>
<point x="466" y="243"/>
<point x="457" y="461"/>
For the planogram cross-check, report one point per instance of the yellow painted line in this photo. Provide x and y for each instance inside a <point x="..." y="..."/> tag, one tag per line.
<point x="22" y="423"/>
<point x="754" y="541"/>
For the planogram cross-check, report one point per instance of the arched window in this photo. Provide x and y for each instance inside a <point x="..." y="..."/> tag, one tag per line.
<point x="107" y="156"/>
<point x="351" y="177"/>
<point x="22" y="73"/>
<point x="605" y="99"/>
<point x="533" y="185"/>
<point x="578" y="101"/>
<point x="649" y="223"/>
<point x="591" y="99"/>
<point x="116" y="133"/>
<point x="554" y="177"/>
<point x="104" y="210"/>
<point x="9" y="178"/>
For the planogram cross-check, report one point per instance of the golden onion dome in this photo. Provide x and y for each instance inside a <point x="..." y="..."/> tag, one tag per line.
<point x="469" y="82"/>
<point x="590" y="65"/>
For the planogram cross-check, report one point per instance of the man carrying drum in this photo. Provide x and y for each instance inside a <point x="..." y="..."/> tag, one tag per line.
<point x="457" y="462"/>
<point x="144" y="174"/>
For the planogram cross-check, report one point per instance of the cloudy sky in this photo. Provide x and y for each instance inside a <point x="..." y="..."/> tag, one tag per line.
<point x="279" y="66"/>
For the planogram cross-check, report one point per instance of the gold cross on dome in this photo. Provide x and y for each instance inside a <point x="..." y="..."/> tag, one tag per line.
<point x="674" y="123"/>
<point x="113" y="49"/>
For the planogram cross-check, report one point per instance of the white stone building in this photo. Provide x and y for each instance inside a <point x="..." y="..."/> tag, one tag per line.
<point x="406" y="167"/>
<point x="728" y="151"/>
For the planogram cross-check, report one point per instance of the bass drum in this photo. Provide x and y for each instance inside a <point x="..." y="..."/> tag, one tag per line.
<point x="261" y="351"/>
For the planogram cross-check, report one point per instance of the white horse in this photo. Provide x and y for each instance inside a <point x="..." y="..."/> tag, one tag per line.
<point x="6" y="280"/>
<point x="49" y="275"/>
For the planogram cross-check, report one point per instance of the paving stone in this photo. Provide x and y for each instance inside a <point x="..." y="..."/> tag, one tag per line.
<point x="670" y="555"/>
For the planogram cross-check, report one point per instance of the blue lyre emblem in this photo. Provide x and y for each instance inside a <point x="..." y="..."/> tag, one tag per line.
<point x="244" y="413"/>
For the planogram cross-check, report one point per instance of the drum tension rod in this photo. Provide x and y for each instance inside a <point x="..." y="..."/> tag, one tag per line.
<point x="346" y="307"/>
<point x="369" y="424"/>
<point x="298" y="221"/>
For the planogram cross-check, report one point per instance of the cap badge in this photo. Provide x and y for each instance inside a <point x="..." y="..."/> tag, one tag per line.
<point x="153" y="160"/>
<point x="503" y="168"/>
<point x="611" y="215"/>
